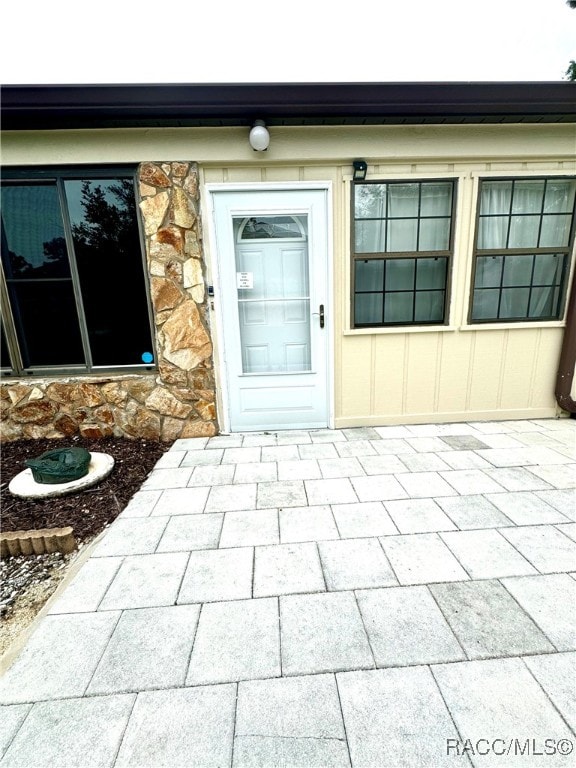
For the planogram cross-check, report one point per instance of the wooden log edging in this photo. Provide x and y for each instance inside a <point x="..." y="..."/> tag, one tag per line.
<point x="39" y="542"/>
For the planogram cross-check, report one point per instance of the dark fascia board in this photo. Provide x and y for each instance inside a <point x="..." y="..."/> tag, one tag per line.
<point x="28" y="107"/>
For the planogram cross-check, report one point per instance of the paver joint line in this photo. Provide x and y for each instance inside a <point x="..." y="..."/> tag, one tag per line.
<point x="413" y="582"/>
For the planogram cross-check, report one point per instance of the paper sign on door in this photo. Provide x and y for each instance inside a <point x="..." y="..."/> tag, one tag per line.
<point x="244" y="280"/>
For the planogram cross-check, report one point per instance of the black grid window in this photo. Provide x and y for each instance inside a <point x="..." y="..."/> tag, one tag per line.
<point x="401" y="248"/>
<point x="75" y="295"/>
<point x="523" y="238"/>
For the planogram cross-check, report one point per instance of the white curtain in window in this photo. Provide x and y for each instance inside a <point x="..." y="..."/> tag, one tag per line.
<point x="402" y="230"/>
<point x="526" y="285"/>
<point x="543" y="301"/>
<point x="370" y="212"/>
<point x="528" y="196"/>
<point x="434" y="235"/>
<point x="402" y="218"/>
<point x="524" y="220"/>
<point x="402" y="235"/>
<point x="494" y="218"/>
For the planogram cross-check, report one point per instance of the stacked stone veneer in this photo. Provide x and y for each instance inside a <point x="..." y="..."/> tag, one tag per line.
<point x="177" y="399"/>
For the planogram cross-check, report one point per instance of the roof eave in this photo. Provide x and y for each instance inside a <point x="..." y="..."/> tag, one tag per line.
<point x="26" y="107"/>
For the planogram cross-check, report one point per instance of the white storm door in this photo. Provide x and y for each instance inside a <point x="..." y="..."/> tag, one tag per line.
<point x="272" y="252"/>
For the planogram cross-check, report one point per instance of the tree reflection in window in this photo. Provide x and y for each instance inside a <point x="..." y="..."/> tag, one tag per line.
<point x="108" y="257"/>
<point x="73" y="263"/>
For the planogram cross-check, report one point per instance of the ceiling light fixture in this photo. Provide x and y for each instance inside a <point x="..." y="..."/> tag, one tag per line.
<point x="259" y="136"/>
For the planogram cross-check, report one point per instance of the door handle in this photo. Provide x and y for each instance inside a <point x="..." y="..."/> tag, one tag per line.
<point x="320" y="314"/>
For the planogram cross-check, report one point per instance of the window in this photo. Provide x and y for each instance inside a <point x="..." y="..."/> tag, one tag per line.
<point x="73" y="272"/>
<point x="525" y="227"/>
<point x="271" y="227"/>
<point x="401" y="249"/>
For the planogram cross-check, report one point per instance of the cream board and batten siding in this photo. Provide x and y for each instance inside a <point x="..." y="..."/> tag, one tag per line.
<point x="458" y="371"/>
<point x="381" y="376"/>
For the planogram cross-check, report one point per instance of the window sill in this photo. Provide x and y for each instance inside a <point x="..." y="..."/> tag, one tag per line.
<point x="396" y="329"/>
<point x="68" y="375"/>
<point x="453" y="328"/>
<point x="507" y="325"/>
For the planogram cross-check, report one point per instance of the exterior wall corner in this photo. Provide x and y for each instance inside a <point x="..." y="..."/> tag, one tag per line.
<point x="178" y="399"/>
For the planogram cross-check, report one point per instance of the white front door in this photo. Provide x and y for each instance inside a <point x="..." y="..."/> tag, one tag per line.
<point x="272" y="256"/>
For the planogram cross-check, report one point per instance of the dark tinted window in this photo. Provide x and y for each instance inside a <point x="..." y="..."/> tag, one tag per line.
<point x="72" y="260"/>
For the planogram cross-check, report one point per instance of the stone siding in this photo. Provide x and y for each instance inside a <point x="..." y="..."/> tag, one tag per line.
<point x="177" y="399"/>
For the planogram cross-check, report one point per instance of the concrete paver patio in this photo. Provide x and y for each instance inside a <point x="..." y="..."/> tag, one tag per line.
<point x="388" y="596"/>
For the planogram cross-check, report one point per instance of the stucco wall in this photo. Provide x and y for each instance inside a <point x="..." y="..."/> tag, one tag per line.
<point x="381" y="376"/>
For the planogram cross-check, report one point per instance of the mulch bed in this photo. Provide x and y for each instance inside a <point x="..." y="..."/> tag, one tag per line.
<point x="90" y="510"/>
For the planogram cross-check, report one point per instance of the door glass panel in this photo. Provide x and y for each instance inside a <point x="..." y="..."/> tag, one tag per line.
<point x="271" y="227"/>
<point x="272" y="279"/>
